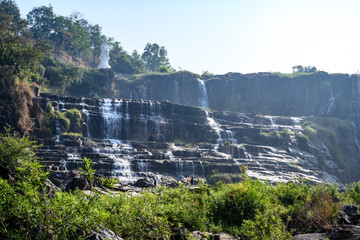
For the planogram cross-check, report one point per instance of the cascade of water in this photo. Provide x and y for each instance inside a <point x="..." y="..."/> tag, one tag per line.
<point x="355" y="137"/>
<point x="155" y="115"/>
<point x="296" y="123"/>
<point x="121" y="154"/>
<point x="63" y="165"/>
<point x="127" y="120"/>
<point x="273" y="125"/>
<point x="215" y="126"/>
<point x="85" y="114"/>
<point x="203" y="100"/>
<point x="331" y="103"/>
<point x="180" y="168"/>
<point x="326" y="150"/>
<point x="229" y="135"/>
<point x="111" y="113"/>
<point x="73" y="156"/>
<point x="241" y="148"/>
<point x="202" y="169"/>
<point x="61" y="105"/>
<point x="58" y="132"/>
<point x="176" y="91"/>
<point x="142" y="166"/>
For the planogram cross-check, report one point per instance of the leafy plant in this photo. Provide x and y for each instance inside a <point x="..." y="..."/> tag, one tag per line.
<point x="87" y="170"/>
<point x="108" y="182"/>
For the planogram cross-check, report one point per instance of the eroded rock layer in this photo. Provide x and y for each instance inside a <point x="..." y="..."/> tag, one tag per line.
<point x="137" y="139"/>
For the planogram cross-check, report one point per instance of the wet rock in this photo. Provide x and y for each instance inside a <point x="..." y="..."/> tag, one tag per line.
<point x="79" y="182"/>
<point x="349" y="209"/>
<point x="144" y="183"/>
<point x="337" y="232"/>
<point x="5" y="174"/>
<point x="50" y="187"/>
<point x="349" y="214"/>
<point x="212" y="236"/>
<point x="311" y="236"/>
<point x="103" y="234"/>
<point x="180" y="233"/>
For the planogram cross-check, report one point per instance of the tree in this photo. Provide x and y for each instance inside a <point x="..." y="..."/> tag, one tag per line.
<point x="308" y="69"/>
<point x="155" y="56"/>
<point x="10" y="16"/>
<point x="41" y="22"/>
<point x="122" y="62"/>
<point x="95" y="41"/>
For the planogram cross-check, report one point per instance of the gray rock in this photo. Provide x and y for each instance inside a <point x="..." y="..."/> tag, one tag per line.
<point x="311" y="236"/>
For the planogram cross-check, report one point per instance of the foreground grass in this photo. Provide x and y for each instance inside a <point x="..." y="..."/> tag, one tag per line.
<point x="250" y="209"/>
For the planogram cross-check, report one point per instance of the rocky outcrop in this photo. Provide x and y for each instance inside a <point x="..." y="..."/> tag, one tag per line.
<point x="318" y="94"/>
<point x="138" y="139"/>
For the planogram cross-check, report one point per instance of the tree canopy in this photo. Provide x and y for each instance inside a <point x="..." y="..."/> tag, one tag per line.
<point x="155" y="56"/>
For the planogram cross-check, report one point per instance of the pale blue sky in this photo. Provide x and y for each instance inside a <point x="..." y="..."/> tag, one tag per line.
<point x="230" y="35"/>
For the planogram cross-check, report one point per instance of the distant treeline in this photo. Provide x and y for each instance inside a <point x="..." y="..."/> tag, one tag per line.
<point x="56" y="51"/>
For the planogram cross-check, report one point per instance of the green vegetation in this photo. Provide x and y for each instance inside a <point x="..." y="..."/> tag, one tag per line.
<point x="329" y="134"/>
<point x="59" y="53"/>
<point x="249" y="209"/>
<point x="276" y="138"/>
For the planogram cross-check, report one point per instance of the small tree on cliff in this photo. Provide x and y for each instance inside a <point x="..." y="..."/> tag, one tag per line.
<point x="155" y="56"/>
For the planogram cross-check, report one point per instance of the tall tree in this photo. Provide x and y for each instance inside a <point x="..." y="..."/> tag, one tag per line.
<point x="96" y="41"/>
<point x="41" y="21"/>
<point x="155" y="56"/>
<point x="10" y="17"/>
<point x="122" y="62"/>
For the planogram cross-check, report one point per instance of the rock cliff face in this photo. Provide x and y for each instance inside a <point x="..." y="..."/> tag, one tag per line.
<point x="318" y="94"/>
<point x="132" y="139"/>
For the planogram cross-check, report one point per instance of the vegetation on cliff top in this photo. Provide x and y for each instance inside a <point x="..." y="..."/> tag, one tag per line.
<point x="56" y="51"/>
<point x="31" y="209"/>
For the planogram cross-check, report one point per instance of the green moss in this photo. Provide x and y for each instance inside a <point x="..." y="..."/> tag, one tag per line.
<point x="64" y="121"/>
<point x="327" y="131"/>
<point x="71" y="134"/>
<point x="303" y="141"/>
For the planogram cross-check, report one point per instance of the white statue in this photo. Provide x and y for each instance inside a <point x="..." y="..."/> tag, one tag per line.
<point x="104" y="56"/>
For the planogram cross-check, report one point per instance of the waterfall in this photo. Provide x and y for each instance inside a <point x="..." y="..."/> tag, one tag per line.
<point x="215" y="126"/>
<point x="202" y="169"/>
<point x="58" y="132"/>
<point x="121" y="154"/>
<point x="127" y="120"/>
<point x="203" y="100"/>
<point x="73" y="156"/>
<point x="176" y="91"/>
<point x="85" y="114"/>
<point x="229" y="135"/>
<point x="331" y="103"/>
<point x="111" y="113"/>
<point x="142" y="166"/>
<point x="155" y="115"/>
<point x="273" y="125"/>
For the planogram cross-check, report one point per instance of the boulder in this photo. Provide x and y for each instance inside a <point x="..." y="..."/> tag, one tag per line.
<point x="144" y="183"/>
<point x="78" y="182"/>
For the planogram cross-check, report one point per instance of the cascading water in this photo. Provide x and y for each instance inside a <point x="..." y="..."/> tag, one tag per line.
<point x="215" y="126"/>
<point x="176" y="91"/>
<point x="85" y="114"/>
<point x="203" y="99"/>
<point x="111" y="113"/>
<point x="331" y="103"/>
<point x="155" y="115"/>
<point x="121" y="154"/>
<point x="58" y="132"/>
<point x="272" y="123"/>
<point x="229" y="135"/>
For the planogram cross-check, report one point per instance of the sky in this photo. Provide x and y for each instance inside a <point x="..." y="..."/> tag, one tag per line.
<point x="243" y="36"/>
